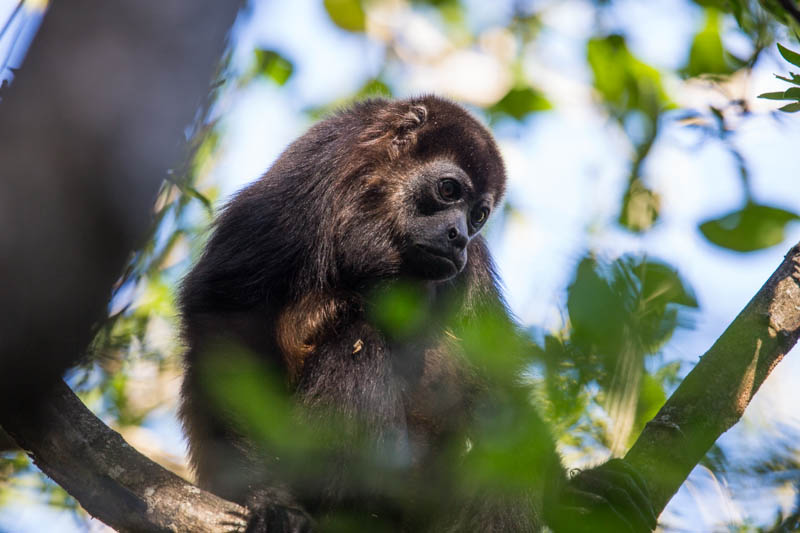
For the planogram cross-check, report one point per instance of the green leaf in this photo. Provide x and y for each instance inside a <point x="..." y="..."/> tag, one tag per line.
<point x="399" y="309"/>
<point x="640" y="207"/>
<point x="374" y="87"/>
<point x="270" y="64"/>
<point x="707" y="55"/>
<point x="789" y="55"/>
<point x="625" y="82"/>
<point x="347" y="14"/>
<point x="773" y="96"/>
<point x="662" y="285"/>
<point x="751" y="228"/>
<point x="790" y="108"/>
<point x="792" y="93"/>
<point x="520" y="102"/>
<point x="795" y="78"/>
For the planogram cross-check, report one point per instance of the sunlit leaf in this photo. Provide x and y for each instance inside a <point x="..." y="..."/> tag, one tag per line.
<point x="520" y="102"/>
<point x="789" y="55"/>
<point x="651" y="398"/>
<point x="271" y="65"/>
<point x="707" y="55"/>
<point x="374" y="87"/>
<point x="753" y="227"/>
<point x="347" y="14"/>
<point x="625" y="82"/>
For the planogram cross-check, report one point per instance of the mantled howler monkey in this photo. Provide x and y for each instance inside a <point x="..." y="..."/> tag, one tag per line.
<point x="381" y="193"/>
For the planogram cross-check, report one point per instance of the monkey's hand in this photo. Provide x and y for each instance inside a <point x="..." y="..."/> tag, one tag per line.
<point x="610" y="498"/>
<point x="272" y="513"/>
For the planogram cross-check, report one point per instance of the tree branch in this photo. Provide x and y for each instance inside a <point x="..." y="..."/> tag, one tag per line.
<point x="791" y="9"/>
<point x="110" y="479"/>
<point x="93" y="120"/>
<point x="714" y="395"/>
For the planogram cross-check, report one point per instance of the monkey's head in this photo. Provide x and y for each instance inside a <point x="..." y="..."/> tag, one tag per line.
<point x="417" y="184"/>
<point x="381" y="190"/>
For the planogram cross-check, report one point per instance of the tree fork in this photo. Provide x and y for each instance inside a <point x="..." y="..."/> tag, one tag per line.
<point x="714" y="395"/>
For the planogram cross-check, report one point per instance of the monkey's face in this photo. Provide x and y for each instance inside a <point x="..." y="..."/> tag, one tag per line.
<point x="444" y="212"/>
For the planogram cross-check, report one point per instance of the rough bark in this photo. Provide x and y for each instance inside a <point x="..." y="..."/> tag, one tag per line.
<point x="110" y="479"/>
<point x="714" y="395"/>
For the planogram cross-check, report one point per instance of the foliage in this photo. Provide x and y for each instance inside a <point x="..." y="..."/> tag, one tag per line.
<point x="791" y="94"/>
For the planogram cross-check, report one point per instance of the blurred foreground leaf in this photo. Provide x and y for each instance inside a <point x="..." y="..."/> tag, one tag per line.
<point x="269" y="64"/>
<point x="625" y="82"/>
<point x="751" y="228"/>
<point x="707" y="54"/>
<point x="629" y="302"/>
<point x="520" y="102"/>
<point x="347" y="14"/>
<point x="640" y="207"/>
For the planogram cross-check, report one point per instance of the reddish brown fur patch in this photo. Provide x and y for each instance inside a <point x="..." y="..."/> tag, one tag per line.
<point x="300" y="326"/>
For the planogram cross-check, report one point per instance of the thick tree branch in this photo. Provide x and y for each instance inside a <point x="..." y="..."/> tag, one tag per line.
<point x="110" y="479"/>
<point x="716" y="392"/>
<point x="92" y="122"/>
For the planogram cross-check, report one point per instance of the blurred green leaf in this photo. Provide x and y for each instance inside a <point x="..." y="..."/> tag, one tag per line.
<point x="347" y="14"/>
<point x="661" y="285"/>
<point x="400" y="309"/>
<point x="271" y="65"/>
<point x="751" y="228"/>
<point x="789" y="55"/>
<point x="520" y="102"/>
<point x="437" y="3"/>
<point x="651" y="398"/>
<point x="596" y="312"/>
<point x="707" y="55"/>
<point x="640" y="207"/>
<point x="790" y="108"/>
<point x="374" y="87"/>
<point x="629" y="302"/>
<point x="625" y="82"/>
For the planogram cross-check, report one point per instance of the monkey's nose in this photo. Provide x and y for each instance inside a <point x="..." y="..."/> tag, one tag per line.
<point x="456" y="238"/>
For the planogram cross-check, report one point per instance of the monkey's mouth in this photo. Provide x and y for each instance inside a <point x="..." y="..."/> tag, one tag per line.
<point x="440" y="264"/>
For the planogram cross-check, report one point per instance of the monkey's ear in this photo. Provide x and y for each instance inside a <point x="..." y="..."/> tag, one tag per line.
<point x="396" y="127"/>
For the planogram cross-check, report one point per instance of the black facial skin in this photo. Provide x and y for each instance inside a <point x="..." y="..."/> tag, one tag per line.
<point x="381" y="191"/>
<point x="447" y="214"/>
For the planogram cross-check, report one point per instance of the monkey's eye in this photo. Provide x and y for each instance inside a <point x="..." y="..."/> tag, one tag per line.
<point x="479" y="216"/>
<point x="449" y="190"/>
